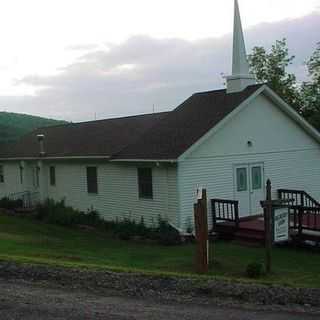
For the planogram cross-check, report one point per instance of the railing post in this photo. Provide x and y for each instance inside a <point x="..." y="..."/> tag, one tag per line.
<point x="302" y="199"/>
<point x="236" y="213"/>
<point x="214" y="218"/>
<point x="300" y="222"/>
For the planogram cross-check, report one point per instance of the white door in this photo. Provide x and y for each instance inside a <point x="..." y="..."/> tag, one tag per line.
<point x="249" y="188"/>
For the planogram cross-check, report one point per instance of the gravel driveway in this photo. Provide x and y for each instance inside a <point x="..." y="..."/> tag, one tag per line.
<point x="21" y="299"/>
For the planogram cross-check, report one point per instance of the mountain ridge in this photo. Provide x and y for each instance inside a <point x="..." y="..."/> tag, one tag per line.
<point x="15" y="125"/>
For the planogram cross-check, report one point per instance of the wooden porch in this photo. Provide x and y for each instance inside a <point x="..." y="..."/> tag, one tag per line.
<point x="304" y="213"/>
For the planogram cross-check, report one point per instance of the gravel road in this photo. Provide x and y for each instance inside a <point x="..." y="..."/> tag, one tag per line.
<point x="28" y="300"/>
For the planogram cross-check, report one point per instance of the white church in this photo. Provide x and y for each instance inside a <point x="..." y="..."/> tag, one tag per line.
<point x="228" y="141"/>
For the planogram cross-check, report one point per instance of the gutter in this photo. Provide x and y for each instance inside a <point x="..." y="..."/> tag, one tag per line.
<point x="144" y="160"/>
<point x="54" y="158"/>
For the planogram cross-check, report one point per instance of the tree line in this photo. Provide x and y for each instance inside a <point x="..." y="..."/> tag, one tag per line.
<point x="272" y="67"/>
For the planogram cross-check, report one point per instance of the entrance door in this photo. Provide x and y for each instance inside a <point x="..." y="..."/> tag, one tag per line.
<point x="248" y="187"/>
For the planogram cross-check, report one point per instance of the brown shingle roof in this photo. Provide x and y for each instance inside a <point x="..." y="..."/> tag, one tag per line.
<point x="154" y="136"/>
<point x="182" y="127"/>
<point x="93" y="138"/>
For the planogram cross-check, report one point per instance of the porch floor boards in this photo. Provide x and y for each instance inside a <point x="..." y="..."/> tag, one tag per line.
<point x="252" y="229"/>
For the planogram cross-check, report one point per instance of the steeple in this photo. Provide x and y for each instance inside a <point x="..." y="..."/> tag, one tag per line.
<point x="241" y="77"/>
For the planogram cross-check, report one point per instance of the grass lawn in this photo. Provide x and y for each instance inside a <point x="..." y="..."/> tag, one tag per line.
<point x="24" y="240"/>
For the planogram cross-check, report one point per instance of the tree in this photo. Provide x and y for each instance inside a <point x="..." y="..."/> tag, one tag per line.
<point x="310" y="90"/>
<point x="271" y="67"/>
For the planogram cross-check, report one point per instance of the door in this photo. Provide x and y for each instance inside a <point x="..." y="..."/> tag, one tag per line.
<point x="248" y="188"/>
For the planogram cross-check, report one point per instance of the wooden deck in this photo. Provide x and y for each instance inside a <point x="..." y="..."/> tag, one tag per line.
<point x="252" y="229"/>
<point x="249" y="229"/>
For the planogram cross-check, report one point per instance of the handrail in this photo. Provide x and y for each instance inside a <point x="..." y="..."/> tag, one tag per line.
<point x="304" y="211"/>
<point x="300" y="197"/>
<point x="29" y="199"/>
<point x="225" y="210"/>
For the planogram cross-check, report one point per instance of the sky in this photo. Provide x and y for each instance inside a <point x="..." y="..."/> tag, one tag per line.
<point x="86" y="59"/>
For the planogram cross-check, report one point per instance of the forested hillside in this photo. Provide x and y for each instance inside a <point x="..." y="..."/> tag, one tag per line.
<point x="14" y="125"/>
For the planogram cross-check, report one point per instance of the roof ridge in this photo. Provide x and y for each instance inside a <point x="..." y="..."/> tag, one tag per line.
<point x="100" y="120"/>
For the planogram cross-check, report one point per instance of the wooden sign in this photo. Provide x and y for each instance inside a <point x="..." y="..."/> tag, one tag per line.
<point x="280" y="224"/>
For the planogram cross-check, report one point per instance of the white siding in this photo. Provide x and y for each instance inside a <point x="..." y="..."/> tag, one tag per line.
<point x="12" y="182"/>
<point x="290" y="156"/>
<point x="117" y="196"/>
<point x="11" y="179"/>
<point x="117" y="191"/>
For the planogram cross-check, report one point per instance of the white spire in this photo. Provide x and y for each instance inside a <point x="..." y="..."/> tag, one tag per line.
<point x="241" y="77"/>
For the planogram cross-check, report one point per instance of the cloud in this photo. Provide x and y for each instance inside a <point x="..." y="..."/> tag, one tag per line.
<point x="131" y="77"/>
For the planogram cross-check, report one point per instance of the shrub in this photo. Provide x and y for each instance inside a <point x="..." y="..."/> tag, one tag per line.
<point x="10" y="204"/>
<point x="58" y="213"/>
<point x="127" y="229"/>
<point x="166" y="234"/>
<point x="254" y="270"/>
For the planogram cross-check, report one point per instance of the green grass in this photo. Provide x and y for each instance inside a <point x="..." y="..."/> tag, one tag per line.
<point x="24" y="240"/>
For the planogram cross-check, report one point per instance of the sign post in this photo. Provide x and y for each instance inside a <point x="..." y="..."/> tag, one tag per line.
<point x="267" y="227"/>
<point x="276" y="224"/>
<point x="201" y="230"/>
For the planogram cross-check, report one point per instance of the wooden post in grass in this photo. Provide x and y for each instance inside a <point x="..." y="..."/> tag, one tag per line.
<point x="267" y="226"/>
<point x="201" y="230"/>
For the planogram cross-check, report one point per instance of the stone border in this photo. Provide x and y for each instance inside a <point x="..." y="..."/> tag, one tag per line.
<point x="140" y="285"/>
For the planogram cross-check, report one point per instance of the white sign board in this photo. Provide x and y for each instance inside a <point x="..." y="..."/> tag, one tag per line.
<point x="281" y="225"/>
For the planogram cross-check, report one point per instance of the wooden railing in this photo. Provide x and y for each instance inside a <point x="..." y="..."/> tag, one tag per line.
<point x="29" y="199"/>
<point x="298" y="198"/>
<point x="304" y="210"/>
<point x="305" y="218"/>
<point x="225" y="210"/>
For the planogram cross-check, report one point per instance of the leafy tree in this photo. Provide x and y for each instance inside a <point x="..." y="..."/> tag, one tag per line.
<point x="271" y="67"/>
<point x="310" y="90"/>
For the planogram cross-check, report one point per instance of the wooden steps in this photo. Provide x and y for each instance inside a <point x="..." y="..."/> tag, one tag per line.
<point x="249" y="235"/>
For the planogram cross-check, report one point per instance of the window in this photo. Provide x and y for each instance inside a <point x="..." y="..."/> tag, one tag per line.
<point x="92" y="181"/>
<point x="21" y="174"/>
<point x="52" y="176"/>
<point x="256" y="178"/>
<point x="36" y="176"/>
<point x="145" y="183"/>
<point x="242" y="179"/>
<point x="1" y="174"/>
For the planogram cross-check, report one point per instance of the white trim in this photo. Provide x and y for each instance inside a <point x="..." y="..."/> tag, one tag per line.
<point x="88" y="157"/>
<point x="55" y="158"/>
<point x="294" y="115"/>
<point x="143" y="160"/>
<point x="256" y="153"/>
<point x="278" y="101"/>
<point x="220" y="124"/>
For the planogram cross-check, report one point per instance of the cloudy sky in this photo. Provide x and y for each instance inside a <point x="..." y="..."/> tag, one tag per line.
<point x="81" y="59"/>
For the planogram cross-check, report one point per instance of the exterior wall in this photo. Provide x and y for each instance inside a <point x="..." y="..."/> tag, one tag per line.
<point x="12" y="181"/>
<point x="117" y="188"/>
<point x="290" y="156"/>
<point x="117" y="191"/>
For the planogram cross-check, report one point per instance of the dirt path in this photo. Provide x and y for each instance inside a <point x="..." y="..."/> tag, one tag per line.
<point x="26" y="300"/>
